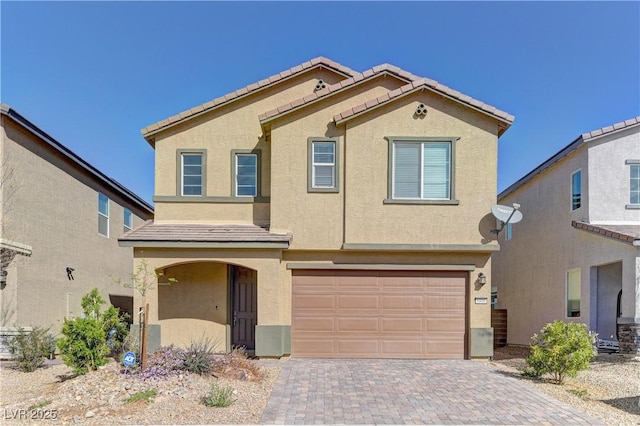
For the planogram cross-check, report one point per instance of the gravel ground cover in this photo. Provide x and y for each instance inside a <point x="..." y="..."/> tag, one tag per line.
<point x="608" y="391"/>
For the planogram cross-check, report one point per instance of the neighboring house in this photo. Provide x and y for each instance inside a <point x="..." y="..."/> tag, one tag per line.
<point x="329" y="213"/>
<point x="576" y="254"/>
<point x="60" y="218"/>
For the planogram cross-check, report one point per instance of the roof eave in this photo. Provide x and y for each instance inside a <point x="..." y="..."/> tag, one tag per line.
<point x="204" y="244"/>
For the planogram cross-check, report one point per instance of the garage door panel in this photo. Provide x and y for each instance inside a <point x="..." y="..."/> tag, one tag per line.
<point x="312" y="323"/>
<point x="352" y="302"/>
<point x="379" y="314"/>
<point x="314" y="301"/>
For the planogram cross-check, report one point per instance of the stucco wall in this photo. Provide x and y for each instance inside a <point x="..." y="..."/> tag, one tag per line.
<point x="235" y="126"/>
<point x="609" y="192"/>
<point x="55" y="210"/>
<point x="530" y="269"/>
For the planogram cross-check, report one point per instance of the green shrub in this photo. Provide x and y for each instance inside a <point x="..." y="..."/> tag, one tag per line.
<point x="30" y="348"/>
<point x="219" y="396"/>
<point x="88" y="341"/>
<point x="561" y="349"/>
<point x="147" y="396"/>
<point x="198" y="358"/>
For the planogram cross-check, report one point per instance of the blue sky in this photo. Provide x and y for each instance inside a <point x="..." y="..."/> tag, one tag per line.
<point x="92" y="74"/>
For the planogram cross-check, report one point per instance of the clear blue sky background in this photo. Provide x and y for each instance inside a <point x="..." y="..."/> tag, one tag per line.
<point x="93" y="74"/>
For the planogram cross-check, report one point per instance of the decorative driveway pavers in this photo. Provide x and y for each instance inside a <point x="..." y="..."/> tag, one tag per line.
<point x="339" y="391"/>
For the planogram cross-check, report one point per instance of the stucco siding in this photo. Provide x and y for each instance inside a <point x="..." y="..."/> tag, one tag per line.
<point x="609" y="193"/>
<point x="54" y="209"/>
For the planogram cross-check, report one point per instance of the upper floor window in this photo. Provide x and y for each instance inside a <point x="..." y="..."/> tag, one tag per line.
<point x="246" y="173"/>
<point x="323" y="165"/>
<point x="103" y="215"/>
<point x="128" y="220"/>
<point x="634" y="185"/>
<point x="421" y="169"/>
<point x="576" y="190"/>
<point x="192" y="172"/>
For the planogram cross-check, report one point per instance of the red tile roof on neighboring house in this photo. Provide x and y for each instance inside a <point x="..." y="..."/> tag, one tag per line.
<point x="337" y="87"/>
<point x="201" y="233"/>
<point x="251" y="88"/>
<point x="625" y="233"/>
<point x="585" y="137"/>
<point x="610" y="129"/>
<point x="425" y="83"/>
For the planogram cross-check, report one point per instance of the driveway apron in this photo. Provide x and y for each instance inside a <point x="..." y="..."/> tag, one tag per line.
<point x="347" y="391"/>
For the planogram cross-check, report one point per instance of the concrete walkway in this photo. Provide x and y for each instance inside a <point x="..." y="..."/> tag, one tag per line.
<point x="328" y="391"/>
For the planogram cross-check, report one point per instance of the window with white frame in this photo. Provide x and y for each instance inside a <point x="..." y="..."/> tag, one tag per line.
<point x="103" y="215"/>
<point x="576" y="190"/>
<point x="634" y="185"/>
<point x="192" y="173"/>
<point x="421" y="170"/>
<point x="246" y="174"/>
<point x="323" y="165"/>
<point x="128" y="220"/>
<point x="573" y="293"/>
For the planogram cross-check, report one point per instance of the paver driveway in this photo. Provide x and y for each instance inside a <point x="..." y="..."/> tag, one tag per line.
<point x="331" y="391"/>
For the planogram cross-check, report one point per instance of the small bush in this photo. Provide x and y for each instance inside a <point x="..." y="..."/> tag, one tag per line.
<point x="166" y="361"/>
<point x="40" y="404"/>
<point x="219" y="396"/>
<point x="147" y="396"/>
<point x="30" y="348"/>
<point x="561" y="349"/>
<point x="198" y="358"/>
<point x="236" y="365"/>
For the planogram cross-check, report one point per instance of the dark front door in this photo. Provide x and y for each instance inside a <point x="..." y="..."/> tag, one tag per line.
<point x="245" y="307"/>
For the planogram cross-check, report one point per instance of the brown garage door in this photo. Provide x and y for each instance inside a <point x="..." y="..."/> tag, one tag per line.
<point x="378" y="314"/>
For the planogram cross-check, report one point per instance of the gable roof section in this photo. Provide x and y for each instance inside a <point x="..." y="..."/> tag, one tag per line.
<point x="318" y="62"/>
<point x="7" y="112"/>
<point x="354" y="80"/>
<point x="585" y="137"/>
<point x="629" y="234"/>
<point x="202" y="236"/>
<point x="434" y="86"/>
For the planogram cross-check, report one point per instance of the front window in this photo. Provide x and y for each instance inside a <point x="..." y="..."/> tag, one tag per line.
<point x="103" y="215"/>
<point x="128" y="220"/>
<point x="323" y="165"/>
<point x="192" y="174"/>
<point x="573" y="293"/>
<point x="576" y="190"/>
<point x="634" y="193"/>
<point x="246" y="175"/>
<point x="421" y="170"/>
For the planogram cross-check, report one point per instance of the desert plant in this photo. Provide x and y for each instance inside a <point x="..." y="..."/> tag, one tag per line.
<point x="218" y="396"/>
<point x="146" y="395"/>
<point x="561" y="349"/>
<point x="84" y="343"/>
<point x="166" y="361"/>
<point x="40" y="404"/>
<point x="30" y="348"/>
<point x="236" y="365"/>
<point x="198" y="357"/>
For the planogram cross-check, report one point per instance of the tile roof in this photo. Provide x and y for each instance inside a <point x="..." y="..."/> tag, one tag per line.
<point x="337" y="87"/>
<point x="424" y="83"/>
<point x="152" y="232"/>
<point x="625" y="233"/>
<point x="251" y="88"/>
<point x="585" y="137"/>
<point x="610" y="129"/>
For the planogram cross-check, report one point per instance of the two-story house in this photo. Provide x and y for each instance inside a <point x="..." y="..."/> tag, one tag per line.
<point x="576" y="254"/>
<point x="60" y="218"/>
<point x="329" y="213"/>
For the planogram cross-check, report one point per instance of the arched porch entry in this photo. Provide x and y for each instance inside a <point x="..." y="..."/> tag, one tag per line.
<point x="212" y="301"/>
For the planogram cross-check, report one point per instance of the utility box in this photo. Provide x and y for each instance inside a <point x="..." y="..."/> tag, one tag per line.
<point x="481" y="342"/>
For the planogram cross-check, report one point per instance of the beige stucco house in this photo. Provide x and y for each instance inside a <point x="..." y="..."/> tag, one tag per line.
<point x="326" y="212"/>
<point x="575" y="256"/>
<point x="60" y="220"/>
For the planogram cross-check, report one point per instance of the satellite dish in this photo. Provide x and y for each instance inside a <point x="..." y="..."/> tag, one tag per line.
<point x="505" y="215"/>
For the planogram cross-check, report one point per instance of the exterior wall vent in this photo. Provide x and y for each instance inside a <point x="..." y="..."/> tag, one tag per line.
<point x="421" y="110"/>
<point x="320" y="85"/>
